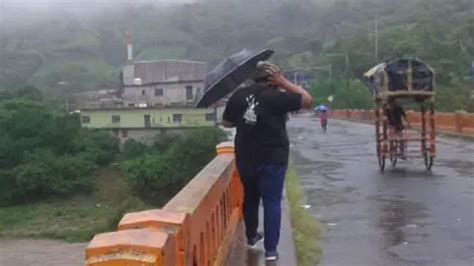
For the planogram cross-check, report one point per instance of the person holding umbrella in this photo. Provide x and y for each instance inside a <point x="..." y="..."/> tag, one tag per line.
<point x="259" y="113"/>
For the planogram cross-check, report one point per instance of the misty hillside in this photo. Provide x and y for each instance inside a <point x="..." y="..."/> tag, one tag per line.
<point x="83" y="43"/>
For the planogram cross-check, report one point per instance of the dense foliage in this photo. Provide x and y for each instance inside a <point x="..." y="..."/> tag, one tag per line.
<point x="160" y="170"/>
<point x="44" y="152"/>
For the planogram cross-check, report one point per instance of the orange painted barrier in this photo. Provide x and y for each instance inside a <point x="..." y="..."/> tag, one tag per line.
<point x="459" y="122"/>
<point x="193" y="228"/>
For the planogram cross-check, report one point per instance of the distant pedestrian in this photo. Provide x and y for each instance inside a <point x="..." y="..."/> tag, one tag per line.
<point x="260" y="113"/>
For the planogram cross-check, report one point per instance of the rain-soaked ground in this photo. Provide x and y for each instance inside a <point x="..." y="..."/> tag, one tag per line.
<point x="405" y="216"/>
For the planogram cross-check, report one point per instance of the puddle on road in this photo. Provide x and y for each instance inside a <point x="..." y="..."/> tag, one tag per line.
<point x="400" y="220"/>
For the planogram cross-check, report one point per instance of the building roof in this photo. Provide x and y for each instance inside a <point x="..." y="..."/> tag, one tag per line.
<point x="165" y="71"/>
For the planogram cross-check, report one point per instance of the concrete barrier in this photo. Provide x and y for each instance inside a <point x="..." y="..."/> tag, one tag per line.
<point x="459" y="122"/>
<point x="193" y="228"/>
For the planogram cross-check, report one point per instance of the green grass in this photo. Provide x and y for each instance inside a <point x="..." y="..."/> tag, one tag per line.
<point x="306" y="229"/>
<point x="76" y="219"/>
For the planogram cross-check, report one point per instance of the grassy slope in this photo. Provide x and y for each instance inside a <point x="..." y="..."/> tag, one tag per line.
<point x="306" y="229"/>
<point x="76" y="219"/>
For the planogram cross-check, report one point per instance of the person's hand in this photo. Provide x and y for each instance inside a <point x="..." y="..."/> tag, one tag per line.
<point x="276" y="77"/>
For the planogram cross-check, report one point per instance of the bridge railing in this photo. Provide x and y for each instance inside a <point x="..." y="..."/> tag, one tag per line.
<point x="457" y="122"/>
<point x="193" y="228"/>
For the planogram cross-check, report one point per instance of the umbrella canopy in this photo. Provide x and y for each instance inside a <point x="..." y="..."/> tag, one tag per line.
<point x="321" y="108"/>
<point x="229" y="74"/>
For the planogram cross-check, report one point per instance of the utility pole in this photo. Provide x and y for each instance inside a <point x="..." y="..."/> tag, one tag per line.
<point x="376" y="30"/>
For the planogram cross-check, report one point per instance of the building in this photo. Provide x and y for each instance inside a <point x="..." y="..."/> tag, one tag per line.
<point x="143" y="124"/>
<point x="105" y="98"/>
<point x="163" y="83"/>
<point x="300" y="77"/>
<point x="156" y="97"/>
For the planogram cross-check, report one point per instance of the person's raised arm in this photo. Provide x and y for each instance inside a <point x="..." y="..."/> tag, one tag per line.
<point x="278" y="79"/>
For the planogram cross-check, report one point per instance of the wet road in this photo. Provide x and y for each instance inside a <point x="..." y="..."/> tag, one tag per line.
<point x="405" y="216"/>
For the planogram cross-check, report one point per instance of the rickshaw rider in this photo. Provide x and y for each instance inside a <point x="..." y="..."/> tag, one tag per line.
<point x="395" y="114"/>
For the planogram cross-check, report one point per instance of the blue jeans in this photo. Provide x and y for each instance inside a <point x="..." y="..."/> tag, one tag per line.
<point x="267" y="185"/>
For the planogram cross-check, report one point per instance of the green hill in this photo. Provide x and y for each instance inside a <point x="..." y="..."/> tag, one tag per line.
<point x="86" y="48"/>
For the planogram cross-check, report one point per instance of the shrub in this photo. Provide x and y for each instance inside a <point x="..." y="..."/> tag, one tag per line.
<point x="8" y="189"/>
<point x="44" y="152"/>
<point x="171" y="162"/>
<point x="133" y="149"/>
<point x="148" y="175"/>
<point x="97" y="146"/>
<point x="52" y="176"/>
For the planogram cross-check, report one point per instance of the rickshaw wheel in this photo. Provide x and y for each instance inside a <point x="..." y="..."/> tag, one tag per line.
<point x="382" y="163"/>
<point x="429" y="162"/>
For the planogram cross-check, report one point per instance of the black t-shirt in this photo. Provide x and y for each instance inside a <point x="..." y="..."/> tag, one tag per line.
<point x="260" y="115"/>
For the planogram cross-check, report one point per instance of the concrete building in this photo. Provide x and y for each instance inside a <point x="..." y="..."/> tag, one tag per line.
<point x="105" y="98"/>
<point x="163" y="83"/>
<point x="156" y="97"/>
<point x="143" y="124"/>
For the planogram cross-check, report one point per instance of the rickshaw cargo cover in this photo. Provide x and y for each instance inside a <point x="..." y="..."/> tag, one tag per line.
<point x="401" y="77"/>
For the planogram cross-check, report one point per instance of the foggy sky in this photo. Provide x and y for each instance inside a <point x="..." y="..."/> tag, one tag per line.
<point x="43" y="3"/>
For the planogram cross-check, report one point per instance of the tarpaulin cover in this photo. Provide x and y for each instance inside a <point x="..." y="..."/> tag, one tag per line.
<point x="410" y="76"/>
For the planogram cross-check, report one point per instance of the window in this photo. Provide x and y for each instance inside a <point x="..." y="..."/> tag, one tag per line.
<point x="210" y="117"/>
<point x="115" y="119"/>
<point x="124" y="133"/>
<point x="159" y="92"/>
<point x="143" y="92"/>
<point x="189" y="92"/>
<point x="86" y="119"/>
<point x="177" y="118"/>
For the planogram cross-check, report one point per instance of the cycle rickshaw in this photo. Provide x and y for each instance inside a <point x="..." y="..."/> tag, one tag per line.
<point x="406" y="81"/>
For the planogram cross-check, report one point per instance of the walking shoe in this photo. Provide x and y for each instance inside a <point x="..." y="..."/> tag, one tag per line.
<point x="252" y="243"/>
<point x="271" y="255"/>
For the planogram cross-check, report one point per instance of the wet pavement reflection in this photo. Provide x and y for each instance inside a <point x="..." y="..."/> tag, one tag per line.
<point x="405" y="216"/>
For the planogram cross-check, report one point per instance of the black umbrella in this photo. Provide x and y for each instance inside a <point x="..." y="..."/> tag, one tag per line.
<point x="229" y="74"/>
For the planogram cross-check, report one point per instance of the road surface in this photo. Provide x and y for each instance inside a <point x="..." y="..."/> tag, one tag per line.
<point x="30" y="252"/>
<point x="405" y="216"/>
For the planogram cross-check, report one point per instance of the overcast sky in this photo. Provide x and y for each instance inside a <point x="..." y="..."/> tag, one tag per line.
<point x="52" y="2"/>
<point x="97" y="1"/>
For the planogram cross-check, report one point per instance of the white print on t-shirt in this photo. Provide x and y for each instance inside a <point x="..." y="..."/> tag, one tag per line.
<point x="250" y="117"/>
